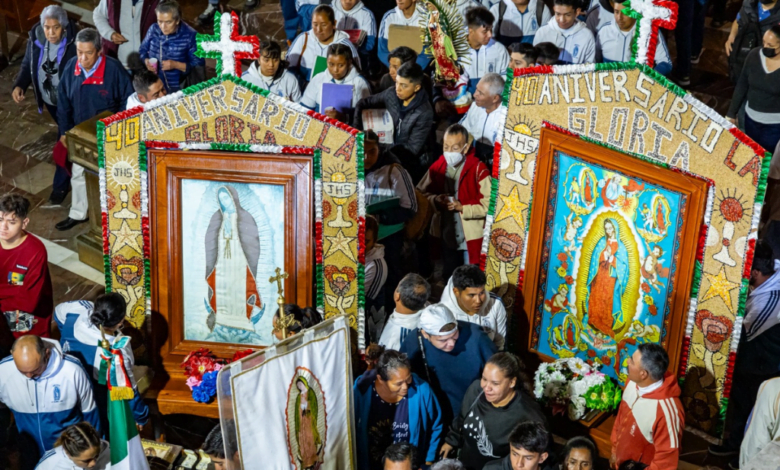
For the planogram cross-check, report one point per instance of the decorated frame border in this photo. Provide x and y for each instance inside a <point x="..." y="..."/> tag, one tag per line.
<point x="247" y="148"/>
<point x="701" y="244"/>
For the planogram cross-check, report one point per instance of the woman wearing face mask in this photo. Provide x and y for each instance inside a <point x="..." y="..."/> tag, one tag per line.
<point x="314" y="43"/>
<point x="394" y="405"/>
<point x="340" y="71"/>
<point x="458" y="185"/>
<point x="270" y="72"/>
<point x="759" y="89"/>
<point x="492" y="407"/>
<point x="49" y="47"/>
<point x="78" y="447"/>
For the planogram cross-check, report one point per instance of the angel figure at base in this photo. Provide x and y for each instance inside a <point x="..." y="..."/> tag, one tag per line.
<point x="306" y="432"/>
<point x="232" y="248"/>
<point x="573" y="224"/>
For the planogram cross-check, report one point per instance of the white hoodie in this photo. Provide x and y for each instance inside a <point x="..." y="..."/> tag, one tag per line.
<point x="398" y="326"/>
<point x="312" y="97"/>
<point x="576" y="43"/>
<point x="305" y="49"/>
<point x="56" y="459"/>
<point x="491" y="317"/>
<point x="359" y="17"/>
<point x="285" y="86"/>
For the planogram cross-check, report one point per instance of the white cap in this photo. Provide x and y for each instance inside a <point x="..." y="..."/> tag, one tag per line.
<point x="434" y="317"/>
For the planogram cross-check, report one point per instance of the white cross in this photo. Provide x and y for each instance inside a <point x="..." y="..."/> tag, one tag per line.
<point x="652" y="11"/>
<point x="228" y="45"/>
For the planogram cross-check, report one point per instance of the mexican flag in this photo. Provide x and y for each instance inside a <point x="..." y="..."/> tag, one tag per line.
<point x="126" y="450"/>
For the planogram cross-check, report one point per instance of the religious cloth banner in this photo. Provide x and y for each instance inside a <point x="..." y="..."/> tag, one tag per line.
<point x="228" y="114"/>
<point x="624" y="211"/>
<point x="292" y="403"/>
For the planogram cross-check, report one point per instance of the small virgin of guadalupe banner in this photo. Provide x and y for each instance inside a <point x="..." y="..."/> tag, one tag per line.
<point x="293" y="410"/>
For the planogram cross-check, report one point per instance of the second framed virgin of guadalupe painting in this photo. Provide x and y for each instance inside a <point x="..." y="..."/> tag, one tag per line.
<point x="611" y="253"/>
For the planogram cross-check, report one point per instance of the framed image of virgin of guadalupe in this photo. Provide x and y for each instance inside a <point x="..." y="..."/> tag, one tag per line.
<point x="611" y="254"/>
<point x="221" y="223"/>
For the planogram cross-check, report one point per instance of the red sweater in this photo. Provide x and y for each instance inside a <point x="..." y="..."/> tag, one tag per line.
<point x="25" y="286"/>
<point x="648" y="429"/>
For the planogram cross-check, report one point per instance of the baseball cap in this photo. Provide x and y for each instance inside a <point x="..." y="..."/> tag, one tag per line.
<point x="434" y="317"/>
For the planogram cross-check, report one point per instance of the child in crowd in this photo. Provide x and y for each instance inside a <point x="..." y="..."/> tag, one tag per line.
<point x="578" y="46"/>
<point x="314" y="43"/>
<point x="522" y="55"/>
<point x="548" y="53"/>
<point x="340" y="71"/>
<point x="519" y="20"/>
<point x="270" y="72"/>
<point x="353" y="15"/>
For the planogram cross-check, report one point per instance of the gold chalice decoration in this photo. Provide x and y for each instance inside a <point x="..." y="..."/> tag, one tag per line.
<point x="336" y="185"/>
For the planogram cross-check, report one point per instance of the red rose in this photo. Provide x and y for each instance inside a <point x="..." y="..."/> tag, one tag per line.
<point x="561" y="256"/>
<point x="591" y="353"/>
<point x="198" y="363"/>
<point x="606" y="360"/>
<point x="646" y="287"/>
<point x="242" y="354"/>
<point x="569" y="280"/>
<point x="653" y="310"/>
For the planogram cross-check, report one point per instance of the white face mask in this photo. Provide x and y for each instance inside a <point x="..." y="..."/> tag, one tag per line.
<point x="453" y="158"/>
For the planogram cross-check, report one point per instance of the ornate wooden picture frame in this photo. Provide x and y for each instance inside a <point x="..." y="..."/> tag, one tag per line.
<point x="574" y="274"/>
<point x="170" y="172"/>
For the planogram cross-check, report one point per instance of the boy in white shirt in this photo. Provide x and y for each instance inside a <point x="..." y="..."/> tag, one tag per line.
<point x="341" y="71"/>
<point x="486" y="55"/>
<point x="353" y="15"/>
<point x="573" y="38"/>
<point x="410" y="298"/>
<point x="270" y="72"/>
<point x="404" y="14"/>
<point x="613" y="43"/>
<point x="519" y="20"/>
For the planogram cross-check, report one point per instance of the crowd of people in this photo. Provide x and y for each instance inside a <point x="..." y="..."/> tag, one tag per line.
<point x="440" y="391"/>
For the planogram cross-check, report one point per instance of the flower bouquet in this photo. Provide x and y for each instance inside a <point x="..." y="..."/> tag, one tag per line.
<point x="574" y="385"/>
<point x="201" y="368"/>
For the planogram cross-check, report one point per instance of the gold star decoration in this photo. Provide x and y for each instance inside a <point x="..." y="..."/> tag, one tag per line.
<point x="721" y="287"/>
<point x="126" y="236"/>
<point x="512" y="207"/>
<point x="340" y="243"/>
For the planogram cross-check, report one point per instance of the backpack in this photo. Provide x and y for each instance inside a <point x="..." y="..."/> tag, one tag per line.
<point x="540" y="4"/>
<point x="748" y="37"/>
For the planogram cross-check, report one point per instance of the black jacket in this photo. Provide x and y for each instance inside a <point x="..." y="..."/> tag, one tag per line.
<point x="28" y="72"/>
<point x="761" y="356"/>
<point x="749" y="34"/>
<point x="482" y="430"/>
<point x="414" y="130"/>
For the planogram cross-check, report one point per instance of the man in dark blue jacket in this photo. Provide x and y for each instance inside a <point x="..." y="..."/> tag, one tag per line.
<point x="449" y="354"/>
<point x="90" y="84"/>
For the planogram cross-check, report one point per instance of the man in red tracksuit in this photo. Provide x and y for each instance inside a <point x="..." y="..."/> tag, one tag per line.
<point x="650" y="420"/>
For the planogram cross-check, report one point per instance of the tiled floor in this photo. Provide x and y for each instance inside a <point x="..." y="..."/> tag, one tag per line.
<point x="26" y="167"/>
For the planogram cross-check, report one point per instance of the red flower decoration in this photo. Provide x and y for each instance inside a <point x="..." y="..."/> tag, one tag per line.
<point x="508" y="245"/>
<point x="562" y="256"/>
<point x="653" y="310"/>
<point x="646" y="287"/>
<point x="242" y="354"/>
<point x="352" y="209"/>
<point x="326" y="209"/>
<point x="198" y="363"/>
<point x="569" y="280"/>
<point x="565" y="265"/>
<point x="606" y="360"/>
<point x="591" y="353"/>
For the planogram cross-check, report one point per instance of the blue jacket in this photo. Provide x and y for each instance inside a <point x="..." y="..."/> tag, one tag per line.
<point x="425" y="425"/>
<point x="79" y="338"/>
<point x="28" y="72"/>
<point x="44" y="407"/>
<point x="80" y="98"/>
<point x="179" y="46"/>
